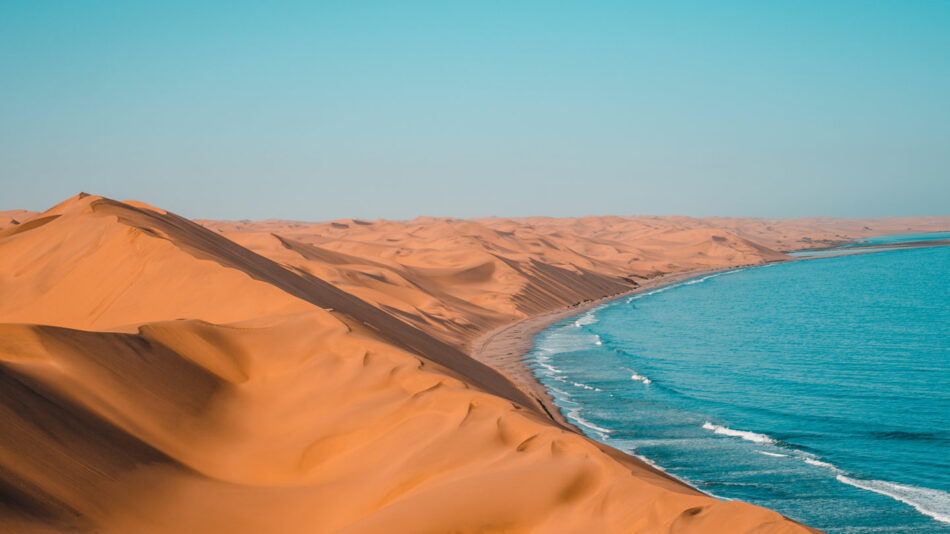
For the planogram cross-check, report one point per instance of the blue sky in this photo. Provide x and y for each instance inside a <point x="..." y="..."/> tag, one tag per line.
<point x="322" y="110"/>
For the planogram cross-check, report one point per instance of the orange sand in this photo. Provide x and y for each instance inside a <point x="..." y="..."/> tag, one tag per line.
<point x="163" y="376"/>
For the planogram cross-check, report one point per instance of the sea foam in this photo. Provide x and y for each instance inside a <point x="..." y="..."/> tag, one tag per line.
<point x="574" y="415"/>
<point x="640" y="378"/>
<point x="585" y="386"/>
<point x="818" y="463"/>
<point x="637" y="376"/>
<point x="748" y="436"/>
<point x="566" y="339"/>
<point x="680" y="284"/>
<point x="587" y="319"/>
<point x="930" y="502"/>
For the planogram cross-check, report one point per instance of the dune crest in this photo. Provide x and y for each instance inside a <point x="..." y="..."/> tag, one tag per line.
<point x="159" y="375"/>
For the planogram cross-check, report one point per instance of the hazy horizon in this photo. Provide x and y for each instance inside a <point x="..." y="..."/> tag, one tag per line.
<point x="234" y="111"/>
<point x="476" y="217"/>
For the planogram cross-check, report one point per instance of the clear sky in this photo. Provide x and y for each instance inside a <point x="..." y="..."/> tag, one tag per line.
<point x="319" y="110"/>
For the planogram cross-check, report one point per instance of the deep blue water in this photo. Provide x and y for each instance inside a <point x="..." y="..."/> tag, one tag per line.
<point x="818" y="388"/>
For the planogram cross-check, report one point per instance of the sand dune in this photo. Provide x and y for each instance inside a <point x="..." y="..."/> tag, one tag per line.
<point x="164" y="376"/>
<point x="14" y="217"/>
<point x="458" y="278"/>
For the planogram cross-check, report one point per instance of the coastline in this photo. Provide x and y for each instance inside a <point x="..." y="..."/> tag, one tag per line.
<point x="506" y="347"/>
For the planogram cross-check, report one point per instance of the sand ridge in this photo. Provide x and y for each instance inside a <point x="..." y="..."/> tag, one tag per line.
<point x="160" y="375"/>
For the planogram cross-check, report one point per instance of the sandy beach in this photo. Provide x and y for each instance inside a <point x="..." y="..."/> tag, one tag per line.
<point x="504" y="348"/>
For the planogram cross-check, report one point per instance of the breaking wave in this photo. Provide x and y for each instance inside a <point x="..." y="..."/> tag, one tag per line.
<point x="586" y="319"/>
<point x="680" y="284"/>
<point x="573" y="414"/>
<point x="748" y="436"/>
<point x="930" y="502"/>
<point x="637" y="376"/>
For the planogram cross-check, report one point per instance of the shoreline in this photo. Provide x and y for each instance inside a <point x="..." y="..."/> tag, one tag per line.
<point x="505" y="348"/>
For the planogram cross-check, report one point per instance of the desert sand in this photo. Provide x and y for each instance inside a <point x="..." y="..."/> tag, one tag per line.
<point x="161" y="375"/>
<point x="14" y="217"/>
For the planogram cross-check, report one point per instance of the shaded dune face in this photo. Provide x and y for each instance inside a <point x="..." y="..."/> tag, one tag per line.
<point x="160" y="376"/>
<point x="457" y="279"/>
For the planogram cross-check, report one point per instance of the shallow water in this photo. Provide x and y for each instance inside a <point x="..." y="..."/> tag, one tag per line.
<point x="819" y="388"/>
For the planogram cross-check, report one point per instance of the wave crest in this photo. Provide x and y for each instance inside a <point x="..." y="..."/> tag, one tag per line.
<point x="586" y="319"/>
<point x="930" y="502"/>
<point x="748" y="436"/>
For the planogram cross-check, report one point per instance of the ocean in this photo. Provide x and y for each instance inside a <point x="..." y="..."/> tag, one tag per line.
<point x="817" y="388"/>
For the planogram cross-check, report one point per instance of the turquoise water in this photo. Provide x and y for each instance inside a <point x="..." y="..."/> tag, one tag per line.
<point x="818" y="388"/>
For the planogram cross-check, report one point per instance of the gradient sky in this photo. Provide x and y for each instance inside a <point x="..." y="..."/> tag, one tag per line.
<point x="322" y="110"/>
